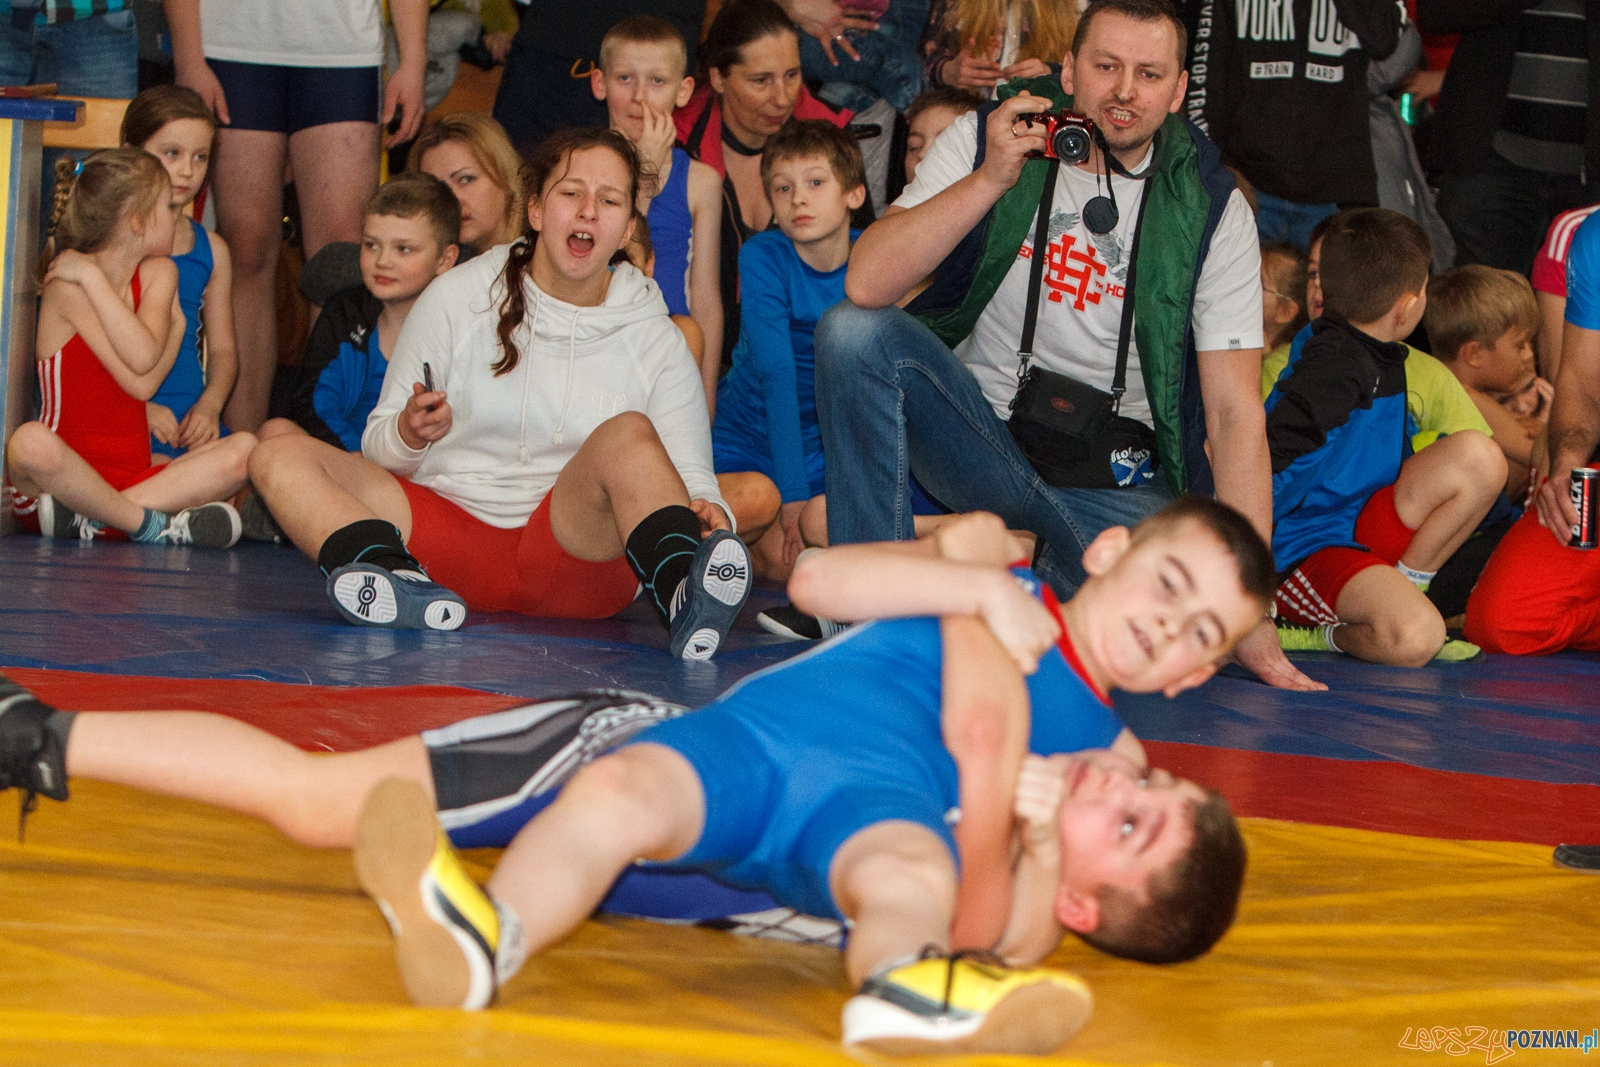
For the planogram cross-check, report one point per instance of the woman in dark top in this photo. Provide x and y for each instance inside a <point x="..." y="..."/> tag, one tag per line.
<point x="752" y="58"/>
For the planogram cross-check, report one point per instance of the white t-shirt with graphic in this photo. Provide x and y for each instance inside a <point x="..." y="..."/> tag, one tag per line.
<point x="1080" y="307"/>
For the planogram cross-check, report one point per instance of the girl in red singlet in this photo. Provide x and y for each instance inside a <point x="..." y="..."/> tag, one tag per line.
<point x="109" y="330"/>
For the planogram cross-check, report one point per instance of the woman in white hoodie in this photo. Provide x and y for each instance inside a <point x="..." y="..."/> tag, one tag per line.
<point x="540" y="444"/>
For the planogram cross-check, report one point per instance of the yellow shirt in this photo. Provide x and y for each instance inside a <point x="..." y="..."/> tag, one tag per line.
<point x="1435" y="399"/>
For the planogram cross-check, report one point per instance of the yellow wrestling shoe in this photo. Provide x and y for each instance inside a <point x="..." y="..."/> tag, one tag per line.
<point x="448" y="932"/>
<point x="966" y="1002"/>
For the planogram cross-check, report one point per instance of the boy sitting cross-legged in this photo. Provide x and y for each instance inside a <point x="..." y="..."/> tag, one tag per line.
<point x="832" y="782"/>
<point x="408" y="238"/>
<point x="1361" y="525"/>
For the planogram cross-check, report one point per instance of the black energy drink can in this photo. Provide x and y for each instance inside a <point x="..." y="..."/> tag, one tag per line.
<point x="1586" y="502"/>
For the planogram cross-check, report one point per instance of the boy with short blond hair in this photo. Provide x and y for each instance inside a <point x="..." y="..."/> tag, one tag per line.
<point x="1359" y="528"/>
<point x="1482" y="322"/>
<point x="409" y="230"/>
<point x="642" y="77"/>
<point x="766" y="407"/>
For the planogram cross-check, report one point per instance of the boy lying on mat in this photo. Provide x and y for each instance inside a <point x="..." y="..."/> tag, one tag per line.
<point x="849" y="782"/>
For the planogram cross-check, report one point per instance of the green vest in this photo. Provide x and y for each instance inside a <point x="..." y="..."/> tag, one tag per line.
<point x="1169" y="251"/>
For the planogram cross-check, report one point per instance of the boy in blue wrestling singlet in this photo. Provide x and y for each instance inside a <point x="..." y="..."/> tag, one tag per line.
<point x="854" y="782"/>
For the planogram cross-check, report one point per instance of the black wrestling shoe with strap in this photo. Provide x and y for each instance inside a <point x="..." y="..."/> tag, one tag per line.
<point x="32" y="758"/>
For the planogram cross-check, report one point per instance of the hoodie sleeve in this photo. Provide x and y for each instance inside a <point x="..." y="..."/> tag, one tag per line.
<point x="677" y="409"/>
<point x="427" y="337"/>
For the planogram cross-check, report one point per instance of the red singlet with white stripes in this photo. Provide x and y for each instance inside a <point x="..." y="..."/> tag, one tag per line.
<point x="89" y="411"/>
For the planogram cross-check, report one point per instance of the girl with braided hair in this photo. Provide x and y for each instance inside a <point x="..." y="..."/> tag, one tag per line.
<point x="580" y="466"/>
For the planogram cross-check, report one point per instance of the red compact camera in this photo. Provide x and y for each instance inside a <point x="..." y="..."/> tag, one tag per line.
<point x="1068" y="135"/>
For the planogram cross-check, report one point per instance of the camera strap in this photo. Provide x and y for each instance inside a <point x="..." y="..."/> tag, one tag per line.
<point x="1041" y="251"/>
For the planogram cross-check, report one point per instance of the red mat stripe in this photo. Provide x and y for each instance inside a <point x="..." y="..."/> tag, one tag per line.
<point x="1365" y="795"/>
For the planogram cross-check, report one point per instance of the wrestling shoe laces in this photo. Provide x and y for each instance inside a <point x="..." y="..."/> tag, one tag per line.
<point x="31" y="756"/>
<point x="1303" y="638"/>
<point x="967" y="1001"/>
<point x="62" y="523"/>
<point x="448" y="932"/>
<point x="207" y="526"/>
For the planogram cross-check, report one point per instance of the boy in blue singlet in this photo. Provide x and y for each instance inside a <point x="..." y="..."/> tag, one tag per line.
<point x="642" y="77"/>
<point x="852" y="780"/>
<point x="848" y="782"/>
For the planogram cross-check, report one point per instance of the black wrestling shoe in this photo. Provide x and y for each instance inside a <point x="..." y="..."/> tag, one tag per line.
<point x="788" y="621"/>
<point x="706" y="603"/>
<point x="32" y="758"/>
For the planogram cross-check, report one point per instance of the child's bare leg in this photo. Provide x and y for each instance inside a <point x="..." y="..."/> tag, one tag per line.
<point x="896" y="882"/>
<point x="278" y="427"/>
<point x="644" y="802"/>
<point x="215" y="470"/>
<point x="40" y="462"/>
<point x="1443" y="492"/>
<point x="621" y="474"/>
<point x="314" y="799"/>
<point x="814" y="522"/>
<point x="755" y="502"/>
<point x="313" y="489"/>
<point x="1383" y="618"/>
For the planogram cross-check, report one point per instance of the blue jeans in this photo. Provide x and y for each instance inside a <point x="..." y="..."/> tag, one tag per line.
<point x="1278" y="219"/>
<point x="890" y="67"/>
<point x="96" y="56"/>
<point x="893" y="400"/>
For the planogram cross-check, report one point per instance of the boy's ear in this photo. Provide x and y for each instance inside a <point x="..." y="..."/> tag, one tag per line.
<point x="1471" y="354"/>
<point x="597" y="83"/>
<point x="1198" y="676"/>
<point x="447" y="258"/>
<point x="1104" y="551"/>
<point x="1076" y="910"/>
<point x="685" y="91"/>
<point x="856" y="197"/>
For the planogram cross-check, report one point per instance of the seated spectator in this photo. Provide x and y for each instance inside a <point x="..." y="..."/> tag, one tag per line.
<point x="767" y="414"/>
<point x="979" y="46"/>
<point x="1549" y="279"/>
<point x="882" y="67"/>
<point x="581" y="467"/>
<point x="929" y="115"/>
<point x="1538" y="595"/>
<point x="471" y="154"/>
<point x="173" y="124"/>
<point x="1285" y="276"/>
<point x="751" y="57"/>
<point x="642" y="77"/>
<point x="1360" y="529"/>
<point x="109" y="331"/>
<point x="1482" y="321"/>
<point x="409" y="228"/>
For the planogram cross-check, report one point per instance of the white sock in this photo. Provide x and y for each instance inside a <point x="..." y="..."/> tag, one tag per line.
<point x="1327" y="635"/>
<point x="512" y="951"/>
<point x="1420" y="579"/>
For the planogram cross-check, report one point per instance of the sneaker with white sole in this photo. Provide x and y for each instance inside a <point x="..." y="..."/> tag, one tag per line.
<point x="61" y="523"/>
<point x="786" y="620"/>
<point x="447" y="930"/>
<point x="32" y="758"/>
<point x="966" y="1003"/>
<point x="369" y="595"/>
<point x="705" y="605"/>
<point x="207" y="526"/>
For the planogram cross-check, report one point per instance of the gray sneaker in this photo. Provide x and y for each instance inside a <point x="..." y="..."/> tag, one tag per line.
<point x="256" y="522"/>
<point x="58" y="521"/>
<point x="207" y="526"/>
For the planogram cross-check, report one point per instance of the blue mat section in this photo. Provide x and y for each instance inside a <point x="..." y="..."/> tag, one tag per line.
<point x="259" y="612"/>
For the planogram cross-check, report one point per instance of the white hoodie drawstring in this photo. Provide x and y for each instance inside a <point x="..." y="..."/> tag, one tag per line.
<point x="524" y="454"/>
<point x="566" y="398"/>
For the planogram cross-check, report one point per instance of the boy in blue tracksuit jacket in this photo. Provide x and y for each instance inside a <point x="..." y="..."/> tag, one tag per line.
<point x="1360" y="525"/>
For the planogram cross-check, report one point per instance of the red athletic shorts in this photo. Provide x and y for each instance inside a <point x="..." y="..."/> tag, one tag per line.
<point x="521" y="570"/>
<point x="1536" y="596"/>
<point x="1311" y="592"/>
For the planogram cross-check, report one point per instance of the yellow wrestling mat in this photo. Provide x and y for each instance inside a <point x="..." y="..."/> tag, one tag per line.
<point x="142" y="930"/>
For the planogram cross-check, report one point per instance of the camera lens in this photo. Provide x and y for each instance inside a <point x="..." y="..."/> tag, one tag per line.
<point x="1071" y="144"/>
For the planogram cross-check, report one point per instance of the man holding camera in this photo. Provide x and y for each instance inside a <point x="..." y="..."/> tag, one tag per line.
<point x="929" y="391"/>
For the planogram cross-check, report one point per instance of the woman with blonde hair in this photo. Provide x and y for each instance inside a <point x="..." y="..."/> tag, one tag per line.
<point x="979" y="44"/>
<point x="472" y="155"/>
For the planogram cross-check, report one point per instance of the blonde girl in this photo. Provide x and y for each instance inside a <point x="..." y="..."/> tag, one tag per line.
<point x="109" y="331"/>
<point x="978" y="44"/>
<point x="472" y="155"/>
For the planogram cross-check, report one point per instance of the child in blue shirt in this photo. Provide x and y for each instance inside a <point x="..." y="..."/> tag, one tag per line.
<point x="766" y="407"/>
<point x="409" y="231"/>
